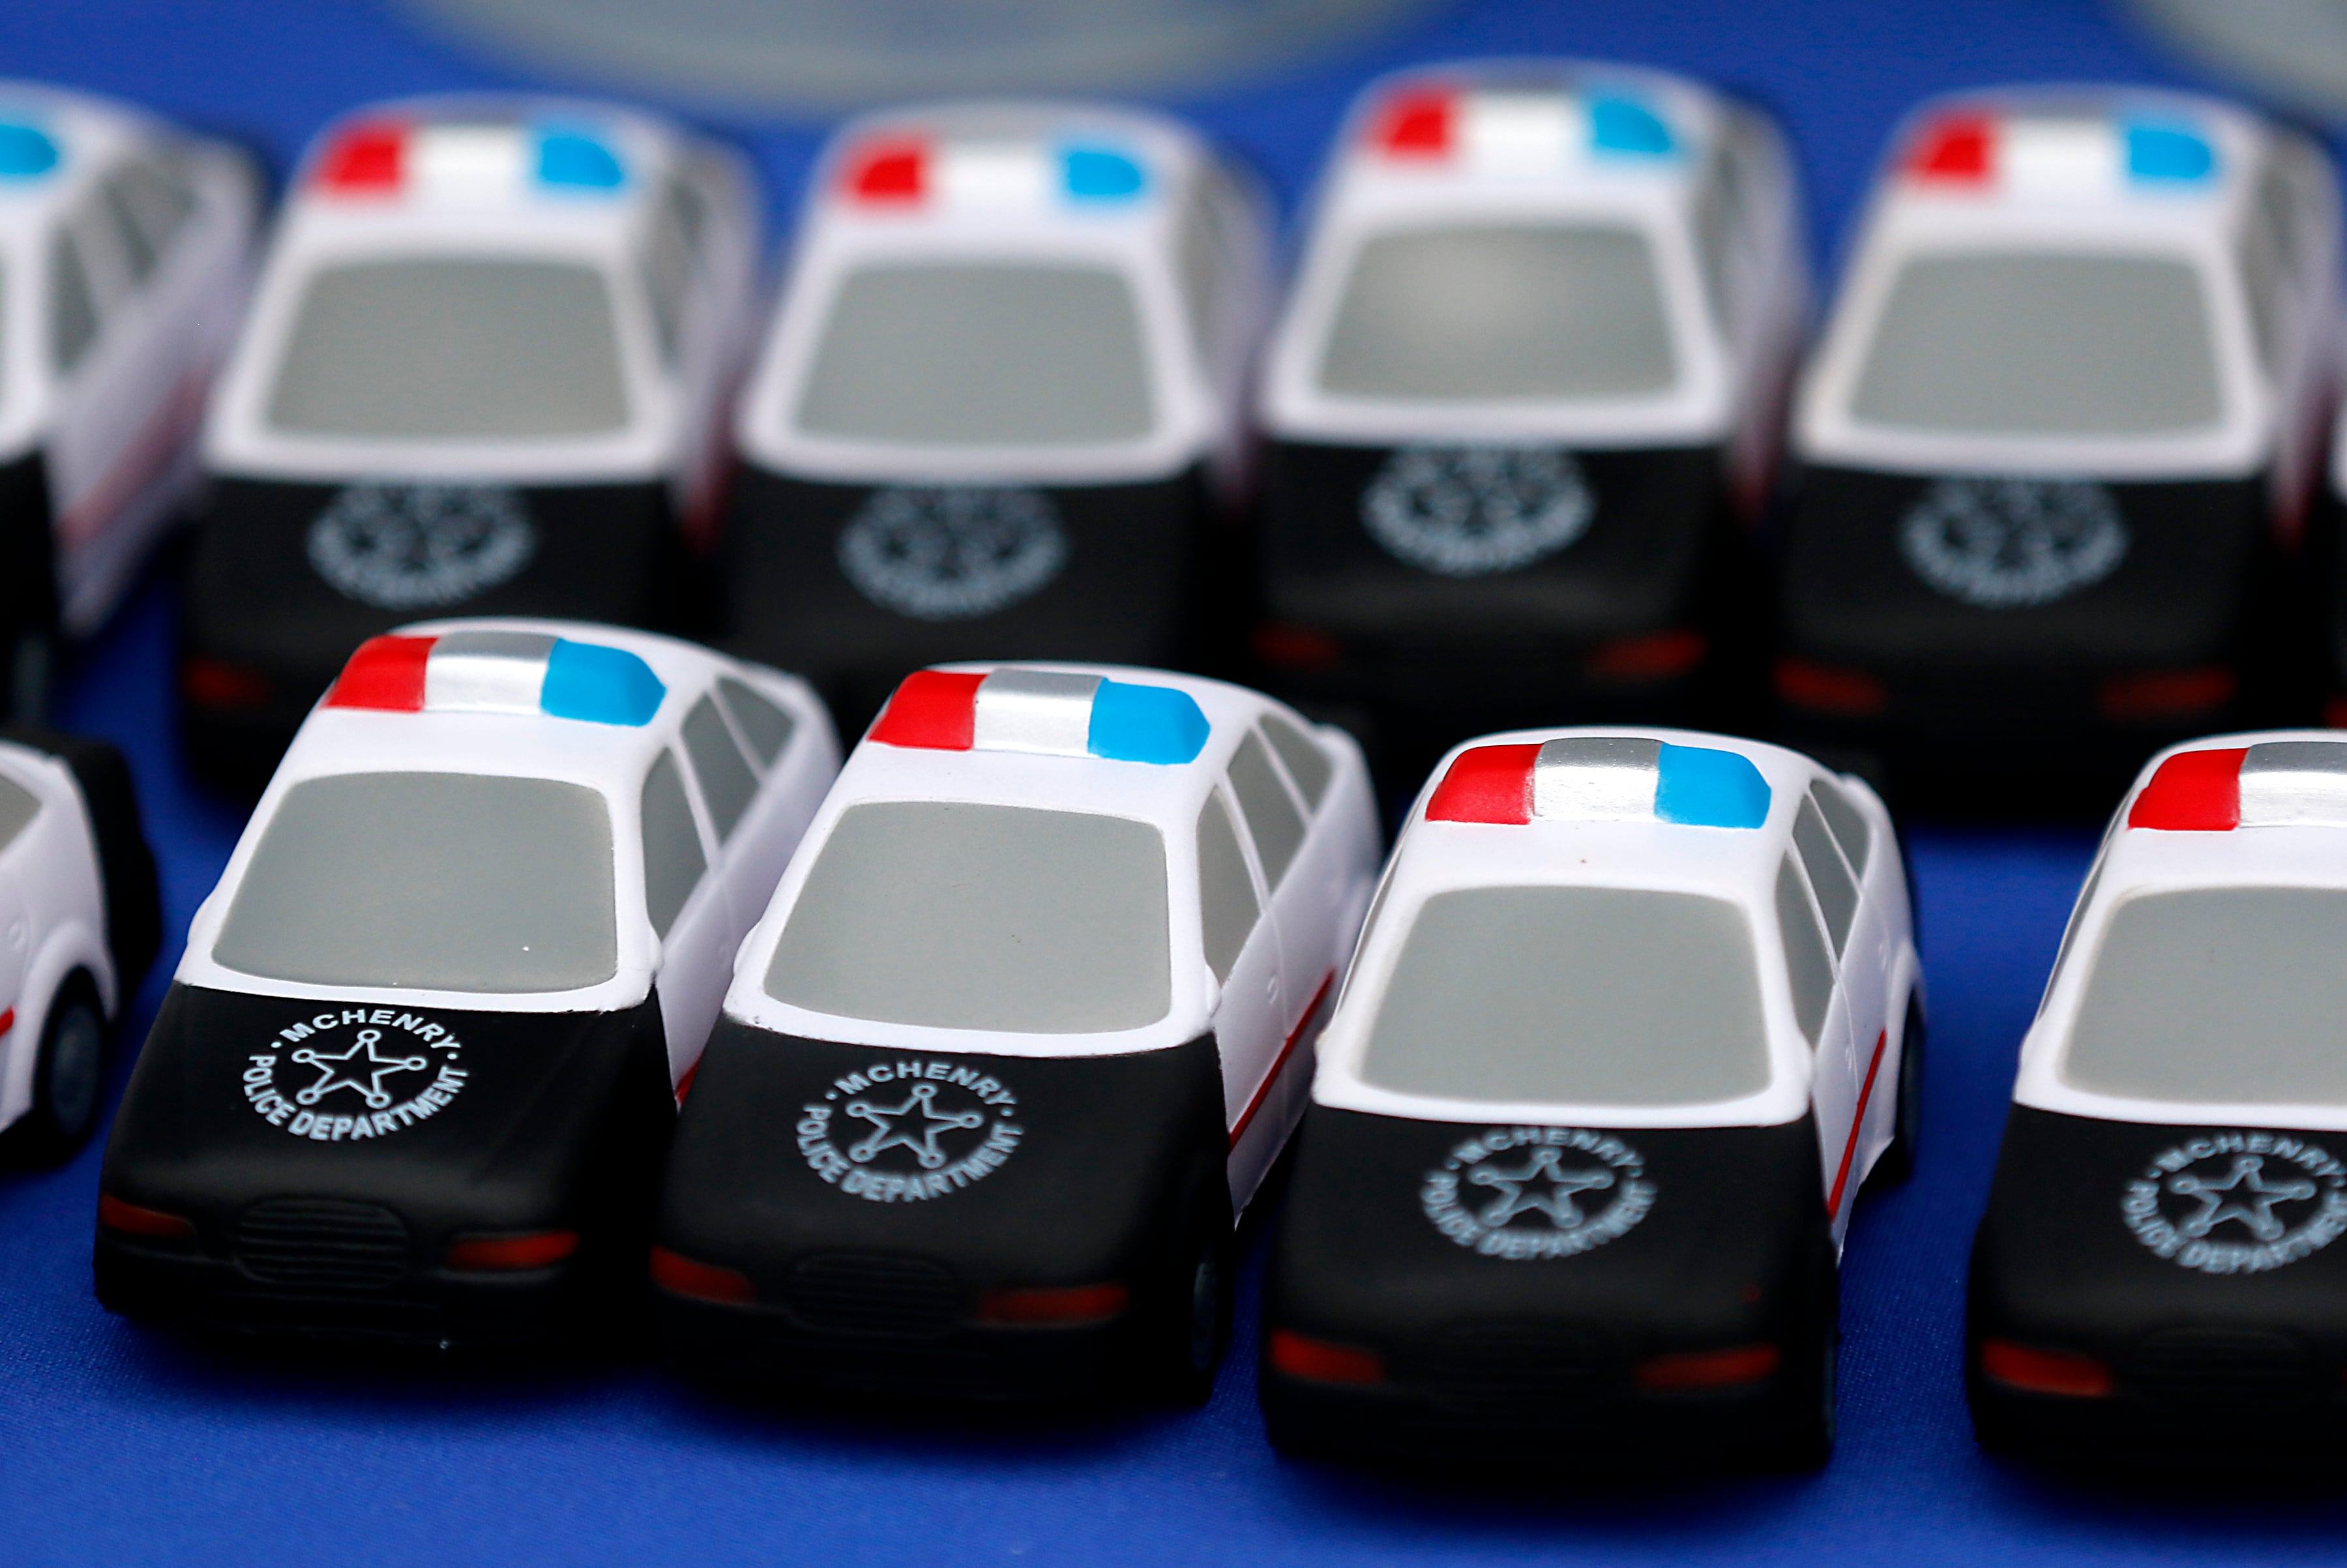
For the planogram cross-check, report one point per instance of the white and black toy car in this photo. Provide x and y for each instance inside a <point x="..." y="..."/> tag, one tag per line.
<point x="486" y="372"/>
<point x="2063" y="428"/>
<point x="1530" y="379"/>
<point x="1030" y="1018"/>
<point x="2157" y="1279"/>
<point x="79" y="922"/>
<point x="125" y="249"/>
<point x="1000" y="410"/>
<point x="1634" y="1017"/>
<point x="415" y="1077"/>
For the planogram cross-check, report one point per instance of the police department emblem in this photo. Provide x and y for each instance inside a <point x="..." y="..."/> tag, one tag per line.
<point x="2004" y="544"/>
<point x="1470" y="511"/>
<point x="901" y="1131"/>
<point x="420" y="547"/>
<point x="2237" y="1202"/>
<point x="349" y="1073"/>
<point x="951" y="554"/>
<point x="1538" y="1191"/>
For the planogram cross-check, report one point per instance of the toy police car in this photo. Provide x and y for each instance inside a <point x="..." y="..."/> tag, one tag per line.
<point x="79" y="922"/>
<point x="486" y="367"/>
<point x="1535" y="360"/>
<point x="1028" y="1021"/>
<point x="415" y="1074"/>
<point x="124" y="245"/>
<point x="2066" y="412"/>
<point x="2156" y="1278"/>
<point x="1636" y="1015"/>
<point x="1001" y="401"/>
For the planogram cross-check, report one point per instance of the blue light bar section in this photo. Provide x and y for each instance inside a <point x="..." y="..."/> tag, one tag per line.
<point x="1099" y="174"/>
<point x="601" y="685"/>
<point x="578" y="160"/>
<point x="27" y="152"/>
<point x="1699" y="787"/>
<point x="1625" y="125"/>
<point x="2167" y="150"/>
<point x="1145" y="724"/>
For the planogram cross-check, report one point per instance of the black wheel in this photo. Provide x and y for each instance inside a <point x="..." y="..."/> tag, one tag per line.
<point x="1898" y="1161"/>
<point x="69" y="1076"/>
<point x="1193" y="1328"/>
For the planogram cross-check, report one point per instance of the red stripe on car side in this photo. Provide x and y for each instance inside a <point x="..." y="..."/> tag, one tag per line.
<point x="1849" y="1149"/>
<point x="1286" y="1051"/>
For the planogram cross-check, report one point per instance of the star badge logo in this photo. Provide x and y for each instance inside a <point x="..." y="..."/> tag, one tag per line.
<point x="2237" y="1202"/>
<point x="2245" y="1196"/>
<point x="915" y="1126"/>
<point x="1514" y="1193"/>
<point x="1535" y="1175"/>
<point x="363" y="1068"/>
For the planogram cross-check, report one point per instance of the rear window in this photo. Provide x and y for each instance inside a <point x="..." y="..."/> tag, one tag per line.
<point x="957" y="916"/>
<point x="2217" y="996"/>
<point x="1997" y="344"/>
<point x="432" y="348"/>
<point x="1501" y="311"/>
<point x="980" y="354"/>
<point x="1572" y="996"/>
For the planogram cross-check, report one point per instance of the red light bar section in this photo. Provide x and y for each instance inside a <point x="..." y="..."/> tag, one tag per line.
<point x="1953" y="152"/>
<point x="889" y="171"/>
<point x="1417" y="125"/>
<point x="936" y="710"/>
<point x="386" y="672"/>
<point x="2193" y="791"/>
<point x="366" y="157"/>
<point x="1486" y="783"/>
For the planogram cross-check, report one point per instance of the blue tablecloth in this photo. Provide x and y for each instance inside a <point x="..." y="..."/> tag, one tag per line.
<point x="117" y="1446"/>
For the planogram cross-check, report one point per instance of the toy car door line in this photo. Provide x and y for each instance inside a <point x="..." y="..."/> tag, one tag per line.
<point x="998" y="405"/>
<point x="1580" y="1153"/>
<point x="415" y="1074"/>
<point x="484" y="372"/>
<point x="2158" y="1260"/>
<point x="1019" y="1000"/>
<point x="1534" y="362"/>
<point x="126" y="242"/>
<point x="2060" y="434"/>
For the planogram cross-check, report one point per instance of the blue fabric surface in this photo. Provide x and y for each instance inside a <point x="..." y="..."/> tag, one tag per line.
<point x="120" y="1447"/>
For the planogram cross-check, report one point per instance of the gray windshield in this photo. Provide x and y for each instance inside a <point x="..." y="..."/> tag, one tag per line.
<point x="2217" y="996"/>
<point x="1501" y="311"/>
<point x="431" y="348"/>
<point x="981" y="917"/>
<point x="1572" y="996"/>
<point x="2042" y="344"/>
<point x="980" y="353"/>
<point x="453" y="882"/>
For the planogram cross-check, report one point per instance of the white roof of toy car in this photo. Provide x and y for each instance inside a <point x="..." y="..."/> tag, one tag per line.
<point x="2078" y="171"/>
<point x="1666" y="810"/>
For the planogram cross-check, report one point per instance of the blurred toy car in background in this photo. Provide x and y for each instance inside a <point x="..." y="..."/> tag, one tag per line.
<point x="487" y="368"/>
<point x="418" y="1069"/>
<point x="1029" y="1019"/>
<point x="80" y="919"/>
<point x="125" y="247"/>
<point x="1529" y="378"/>
<point x="1634" y="1017"/>
<point x="2064" y="427"/>
<point x="998" y="411"/>
<point x="2157" y="1259"/>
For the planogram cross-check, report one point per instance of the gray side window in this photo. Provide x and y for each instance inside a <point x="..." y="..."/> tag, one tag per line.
<point x="1719" y="230"/>
<point x="765" y="726"/>
<point x="2262" y="259"/>
<point x="1201" y="260"/>
<point x="73" y="302"/>
<point x="1271" y="815"/>
<point x="672" y="859"/>
<point x="1308" y="764"/>
<point x="727" y="780"/>
<point x="669" y="258"/>
<point x="1225" y="892"/>
<point x="1837" y="889"/>
<point x="1806" y="963"/>
<point x="137" y="252"/>
<point x="18" y="807"/>
<point x="149" y="201"/>
<point x="1847" y="823"/>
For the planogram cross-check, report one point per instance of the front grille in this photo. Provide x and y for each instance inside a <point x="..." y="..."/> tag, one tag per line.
<point x="2241" y="1368"/>
<point x="1520" y="1370"/>
<point x="873" y="1293"/>
<point x="322" y="1244"/>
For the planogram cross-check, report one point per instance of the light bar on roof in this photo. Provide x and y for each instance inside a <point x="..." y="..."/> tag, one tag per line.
<point x="1045" y="711"/>
<point x="500" y="672"/>
<point x="1602" y="778"/>
<point x="27" y="151"/>
<point x="1516" y="130"/>
<point x="996" y="174"/>
<point x="469" y="163"/>
<point x="2059" y="156"/>
<point x="2274" y="783"/>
